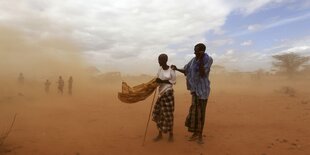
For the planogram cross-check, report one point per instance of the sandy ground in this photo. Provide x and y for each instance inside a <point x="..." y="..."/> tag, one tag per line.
<point x="242" y="119"/>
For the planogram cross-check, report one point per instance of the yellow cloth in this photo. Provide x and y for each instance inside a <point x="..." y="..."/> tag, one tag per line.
<point x="137" y="93"/>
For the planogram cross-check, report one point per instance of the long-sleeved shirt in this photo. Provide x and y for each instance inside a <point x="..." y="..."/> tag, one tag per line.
<point x="196" y="83"/>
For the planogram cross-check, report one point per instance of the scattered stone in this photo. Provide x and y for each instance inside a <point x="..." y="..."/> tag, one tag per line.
<point x="20" y="94"/>
<point x="294" y="144"/>
<point x="284" y="141"/>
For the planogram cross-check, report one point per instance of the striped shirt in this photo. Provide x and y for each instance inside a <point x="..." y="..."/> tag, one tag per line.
<point x="196" y="83"/>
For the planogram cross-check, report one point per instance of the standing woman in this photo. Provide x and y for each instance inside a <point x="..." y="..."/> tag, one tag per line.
<point x="164" y="106"/>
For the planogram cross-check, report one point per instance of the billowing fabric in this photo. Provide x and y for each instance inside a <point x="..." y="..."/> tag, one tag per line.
<point x="163" y="112"/>
<point x="196" y="83"/>
<point x="137" y="93"/>
<point x="196" y="116"/>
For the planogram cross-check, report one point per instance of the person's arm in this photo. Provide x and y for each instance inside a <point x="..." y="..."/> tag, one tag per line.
<point x="158" y="80"/>
<point x="177" y="69"/>
<point x="173" y="77"/>
<point x="207" y="66"/>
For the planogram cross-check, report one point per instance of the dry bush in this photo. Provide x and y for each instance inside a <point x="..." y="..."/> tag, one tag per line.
<point x="290" y="91"/>
<point x="5" y="134"/>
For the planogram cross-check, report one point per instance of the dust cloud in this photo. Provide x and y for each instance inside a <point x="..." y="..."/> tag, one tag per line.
<point x="38" y="59"/>
<point x="247" y="113"/>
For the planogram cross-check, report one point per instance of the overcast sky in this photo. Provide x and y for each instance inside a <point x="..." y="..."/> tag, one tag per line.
<point x="128" y="35"/>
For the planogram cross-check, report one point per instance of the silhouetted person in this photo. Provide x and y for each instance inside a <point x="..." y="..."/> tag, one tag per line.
<point x="197" y="79"/>
<point x="47" y="86"/>
<point x="70" y="81"/>
<point x="61" y="85"/>
<point x="21" y="79"/>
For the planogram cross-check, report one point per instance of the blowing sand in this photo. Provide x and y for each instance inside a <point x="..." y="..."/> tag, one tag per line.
<point x="243" y="117"/>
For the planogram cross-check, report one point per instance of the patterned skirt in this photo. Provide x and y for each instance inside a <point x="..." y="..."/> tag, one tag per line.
<point x="163" y="112"/>
<point x="196" y="116"/>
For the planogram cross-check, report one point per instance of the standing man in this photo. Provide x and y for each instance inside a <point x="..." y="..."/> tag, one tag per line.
<point x="197" y="79"/>
<point x="47" y="86"/>
<point x="61" y="85"/>
<point x="70" y="81"/>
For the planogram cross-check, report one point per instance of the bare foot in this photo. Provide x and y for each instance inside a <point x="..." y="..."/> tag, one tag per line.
<point x="200" y="140"/>
<point x="158" y="138"/>
<point x="193" y="137"/>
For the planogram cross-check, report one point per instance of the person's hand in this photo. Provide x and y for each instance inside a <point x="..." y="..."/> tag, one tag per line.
<point x="158" y="80"/>
<point x="174" y="67"/>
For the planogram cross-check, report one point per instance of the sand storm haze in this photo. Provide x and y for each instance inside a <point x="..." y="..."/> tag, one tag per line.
<point x="246" y="114"/>
<point x="254" y="108"/>
<point x="243" y="117"/>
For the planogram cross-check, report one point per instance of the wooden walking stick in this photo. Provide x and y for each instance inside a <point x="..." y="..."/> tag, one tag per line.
<point x="147" y="124"/>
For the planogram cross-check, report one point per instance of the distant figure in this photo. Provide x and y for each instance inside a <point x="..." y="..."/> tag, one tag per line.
<point x="21" y="79"/>
<point x="47" y="86"/>
<point x="61" y="85"/>
<point x="70" y="81"/>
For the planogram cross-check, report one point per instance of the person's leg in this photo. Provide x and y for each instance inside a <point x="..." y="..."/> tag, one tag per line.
<point x="156" y="114"/>
<point x="203" y="114"/>
<point x="171" y="116"/>
<point x="170" y="136"/>
<point x="192" y="124"/>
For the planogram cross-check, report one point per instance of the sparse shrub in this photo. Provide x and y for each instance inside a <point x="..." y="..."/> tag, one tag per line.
<point x="5" y="134"/>
<point x="290" y="91"/>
